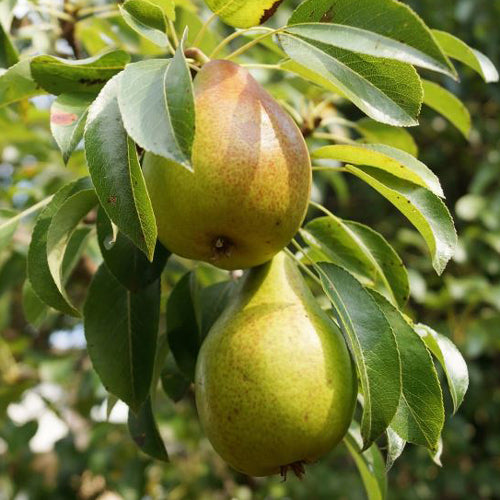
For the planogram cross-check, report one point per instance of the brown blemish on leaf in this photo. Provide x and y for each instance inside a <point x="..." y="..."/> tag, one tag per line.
<point x="63" y="118"/>
<point x="112" y="199"/>
<point x="92" y="81"/>
<point x="327" y="16"/>
<point x="140" y="439"/>
<point x="269" y="12"/>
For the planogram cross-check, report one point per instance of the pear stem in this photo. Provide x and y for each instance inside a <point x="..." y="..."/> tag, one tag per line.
<point x="250" y="44"/>
<point x="196" y="54"/>
<point x="193" y="67"/>
<point x="301" y="264"/>
<point x="234" y="35"/>
<point x="203" y="29"/>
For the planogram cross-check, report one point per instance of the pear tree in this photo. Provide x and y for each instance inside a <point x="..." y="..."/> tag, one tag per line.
<point x="216" y="265"/>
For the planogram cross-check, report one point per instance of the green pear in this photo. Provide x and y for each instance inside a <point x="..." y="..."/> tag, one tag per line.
<point x="244" y="13"/>
<point x="275" y="384"/>
<point x="251" y="179"/>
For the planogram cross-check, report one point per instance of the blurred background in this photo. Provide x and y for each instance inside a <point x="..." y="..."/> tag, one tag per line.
<point x="56" y="440"/>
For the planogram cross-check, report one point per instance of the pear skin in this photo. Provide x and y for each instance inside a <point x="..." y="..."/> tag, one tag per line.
<point x="275" y="384"/>
<point x="249" y="189"/>
<point x="244" y="13"/>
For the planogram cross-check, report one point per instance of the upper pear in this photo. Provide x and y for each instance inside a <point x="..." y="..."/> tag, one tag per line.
<point x="249" y="189"/>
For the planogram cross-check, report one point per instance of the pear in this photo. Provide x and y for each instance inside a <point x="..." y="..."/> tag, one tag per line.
<point x="251" y="179"/>
<point x="275" y="385"/>
<point x="244" y="13"/>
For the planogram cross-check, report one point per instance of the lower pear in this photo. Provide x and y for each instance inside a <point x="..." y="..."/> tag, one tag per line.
<point x="248" y="192"/>
<point x="275" y="385"/>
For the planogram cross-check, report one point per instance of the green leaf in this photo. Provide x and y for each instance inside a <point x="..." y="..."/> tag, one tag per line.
<point x="454" y="365"/>
<point x="34" y="309"/>
<point x="401" y="33"/>
<point x="213" y="301"/>
<point x="111" y="401"/>
<point x="116" y="173"/>
<point x="162" y="351"/>
<point x="372" y="344"/>
<point x="147" y="19"/>
<point x="179" y="95"/>
<point x="392" y="160"/>
<point x="395" y="446"/>
<point x="376" y="132"/>
<point x="182" y="324"/>
<point x="8" y="226"/>
<point x="8" y="53"/>
<point x="420" y="415"/>
<point x="370" y="464"/>
<point x="17" y="84"/>
<point x="168" y="7"/>
<point x="304" y="72"/>
<point x="422" y="208"/>
<point x="456" y="49"/>
<point x="387" y="91"/>
<point x="127" y="262"/>
<point x="67" y="121"/>
<point x="121" y="329"/>
<point x="145" y="433"/>
<point x="62" y="76"/>
<point x="61" y="228"/>
<point x="174" y="383"/>
<point x="445" y="103"/>
<point x="157" y="105"/>
<point x="39" y="272"/>
<point x="12" y="272"/>
<point x="369" y="42"/>
<point x="74" y="249"/>
<point x="363" y="252"/>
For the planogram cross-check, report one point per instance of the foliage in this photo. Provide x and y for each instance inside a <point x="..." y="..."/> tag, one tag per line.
<point x="327" y="75"/>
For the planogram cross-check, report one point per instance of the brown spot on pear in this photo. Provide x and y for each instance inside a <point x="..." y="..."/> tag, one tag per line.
<point x="277" y="357"/>
<point x="251" y="168"/>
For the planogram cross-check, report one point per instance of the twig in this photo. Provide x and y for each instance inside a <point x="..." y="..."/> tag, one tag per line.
<point x="249" y="45"/>
<point x="30" y="210"/>
<point x="68" y="32"/>
<point x="234" y="35"/>
<point x="203" y="29"/>
<point x="175" y="39"/>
